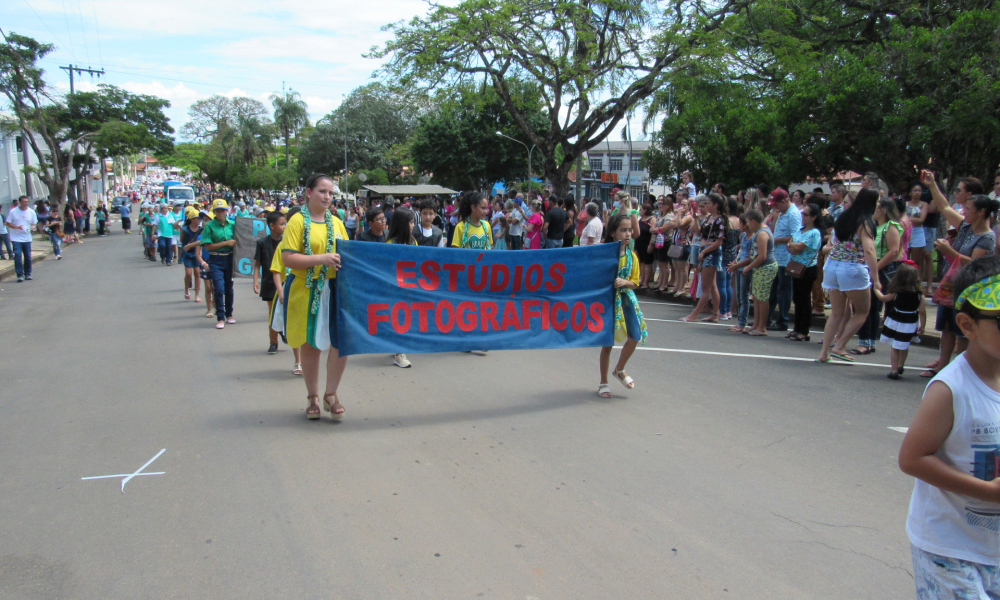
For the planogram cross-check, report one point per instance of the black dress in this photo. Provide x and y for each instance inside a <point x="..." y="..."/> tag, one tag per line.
<point x="642" y="244"/>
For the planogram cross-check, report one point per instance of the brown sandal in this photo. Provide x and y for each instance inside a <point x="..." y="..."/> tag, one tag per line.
<point x="330" y="407"/>
<point x="311" y="414"/>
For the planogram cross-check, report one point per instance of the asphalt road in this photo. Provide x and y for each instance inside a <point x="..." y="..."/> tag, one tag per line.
<point x="729" y="472"/>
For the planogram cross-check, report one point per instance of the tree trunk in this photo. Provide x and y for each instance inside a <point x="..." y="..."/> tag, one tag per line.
<point x="28" y="185"/>
<point x="288" y="161"/>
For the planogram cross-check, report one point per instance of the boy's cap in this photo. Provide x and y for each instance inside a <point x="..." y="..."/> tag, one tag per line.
<point x="220" y="204"/>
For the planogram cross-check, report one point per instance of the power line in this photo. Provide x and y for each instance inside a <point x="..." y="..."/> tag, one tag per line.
<point x="69" y="34"/>
<point x="234" y="77"/>
<point x="97" y="28"/>
<point x="39" y="17"/>
<point x="83" y="28"/>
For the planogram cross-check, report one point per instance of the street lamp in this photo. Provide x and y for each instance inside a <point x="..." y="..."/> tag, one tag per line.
<point x="530" y="150"/>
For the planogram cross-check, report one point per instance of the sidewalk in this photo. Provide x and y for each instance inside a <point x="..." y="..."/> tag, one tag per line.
<point x="930" y="338"/>
<point x="41" y="249"/>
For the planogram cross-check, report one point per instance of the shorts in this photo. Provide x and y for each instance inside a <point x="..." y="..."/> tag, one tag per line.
<point x="660" y="254"/>
<point x="760" y="285"/>
<point x="693" y="254"/>
<point x="917" y="239"/>
<point x="930" y="236"/>
<point x="190" y="262"/>
<point x="176" y="240"/>
<point x="685" y="253"/>
<point x="946" y="321"/>
<point x="945" y="578"/>
<point x="206" y="274"/>
<point x="845" y="276"/>
<point x="713" y="260"/>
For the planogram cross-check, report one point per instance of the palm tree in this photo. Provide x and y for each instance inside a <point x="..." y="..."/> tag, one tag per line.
<point x="290" y="114"/>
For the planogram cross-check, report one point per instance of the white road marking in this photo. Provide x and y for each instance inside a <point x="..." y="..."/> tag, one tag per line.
<point x="128" y="477"/>
<point x="729" y="323"/>
<point x="833" y="361"/>
<point x="900" y="429"/>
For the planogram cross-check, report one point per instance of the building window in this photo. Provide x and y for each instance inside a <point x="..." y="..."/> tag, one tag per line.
<point x="636" y="164"/>
<point x="636" y="192"/>
<point x="596" y="164"/>
<point x="616" y="163"/>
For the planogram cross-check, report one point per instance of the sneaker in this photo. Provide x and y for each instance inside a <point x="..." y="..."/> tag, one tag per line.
<point x="20" y="279"/>
<point x="59" y="257"/>
<point x="272" y="349"/>
<point x="231" y="320"/>
<point x="220" y="325"/>
<point x="27" y="277"/>
<point x="401" y="361"/>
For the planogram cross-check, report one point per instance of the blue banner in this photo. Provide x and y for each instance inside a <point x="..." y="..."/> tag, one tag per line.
<point x="409" y="299"/>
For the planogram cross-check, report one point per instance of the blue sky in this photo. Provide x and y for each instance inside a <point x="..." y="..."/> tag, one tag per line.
<point x="183" y="50"/>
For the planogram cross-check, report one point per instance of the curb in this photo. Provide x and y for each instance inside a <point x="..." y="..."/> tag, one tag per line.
<point x="35" y="258"/>
<point x="930" y="339"/>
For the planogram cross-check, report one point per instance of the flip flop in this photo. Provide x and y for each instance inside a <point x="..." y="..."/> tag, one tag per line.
<point x="843" y="357"/>
<point x="929" y="374"/>
<point x="756" y="333"/>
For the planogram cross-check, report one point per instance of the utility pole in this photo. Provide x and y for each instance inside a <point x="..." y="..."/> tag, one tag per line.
<point x="80" y="70"/>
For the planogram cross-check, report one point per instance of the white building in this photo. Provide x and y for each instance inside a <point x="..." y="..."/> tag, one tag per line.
<point x="12" y="183"/>
<point x="616" y="164"/>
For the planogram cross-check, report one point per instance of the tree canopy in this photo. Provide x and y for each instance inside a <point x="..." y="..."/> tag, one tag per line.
<point x="592" y="62"/>
<point x="372" y="121"/>
<point x="811" y="90"/>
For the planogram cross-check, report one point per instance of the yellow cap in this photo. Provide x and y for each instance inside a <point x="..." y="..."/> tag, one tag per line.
<point x="191" y="212"/>
<point x="220" y="204"/>
<point x="284" y="209"/>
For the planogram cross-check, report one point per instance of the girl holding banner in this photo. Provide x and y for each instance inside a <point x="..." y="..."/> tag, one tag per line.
<point x="309" y="249"/>
<point x="629" y="324"/>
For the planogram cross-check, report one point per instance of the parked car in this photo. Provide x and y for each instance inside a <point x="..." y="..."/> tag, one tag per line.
<point x="117" y="201"/>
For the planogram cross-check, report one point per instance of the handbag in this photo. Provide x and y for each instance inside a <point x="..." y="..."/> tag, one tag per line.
<point x="944" y="295"/>
<point x="675" y="251"/>
<point x="661" y="240"/>
<point x="795" y="269"/>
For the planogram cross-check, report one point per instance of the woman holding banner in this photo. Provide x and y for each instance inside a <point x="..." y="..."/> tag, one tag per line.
<point x="309" y="249"/>
<point x="630" y="327"/>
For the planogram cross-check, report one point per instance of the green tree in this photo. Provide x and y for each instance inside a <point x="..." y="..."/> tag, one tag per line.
<point x="372" y="120"/>
<point x="592" y="62"/>
<point x="828" y="87"/>
<point x="290" y="114"/>
<point x="457" y="142"/>
<point x="38" y="114"/>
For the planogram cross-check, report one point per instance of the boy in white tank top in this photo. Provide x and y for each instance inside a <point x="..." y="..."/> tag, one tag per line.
<point x="952" y="448"/>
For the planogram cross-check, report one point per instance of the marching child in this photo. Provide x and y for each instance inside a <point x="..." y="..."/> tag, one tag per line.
<point x="263" y="283"/>
<point x="904" y="308"/>
<point x="190" y="248"/>
<point x="630" y="327"/>
<point x="952" y="448"/>
<point x="278" y="275"/>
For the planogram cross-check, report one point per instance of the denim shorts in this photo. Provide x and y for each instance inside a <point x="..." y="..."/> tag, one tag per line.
<point x="845" y="276"/>
<point x="693" y="256"/>
<point x="930" y="236"/>
<point x="713" y="260"/>
<point x="190" y="262"/>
